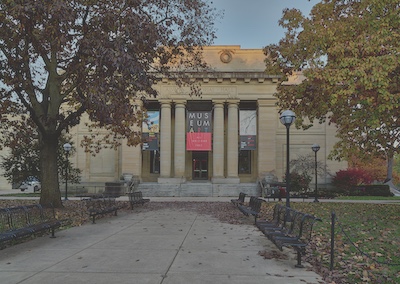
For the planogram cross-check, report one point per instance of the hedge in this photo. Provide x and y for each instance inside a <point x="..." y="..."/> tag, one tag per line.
<point x="371" y="190"/>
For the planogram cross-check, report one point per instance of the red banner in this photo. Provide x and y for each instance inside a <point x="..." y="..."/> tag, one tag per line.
<point x="198" y="141"/>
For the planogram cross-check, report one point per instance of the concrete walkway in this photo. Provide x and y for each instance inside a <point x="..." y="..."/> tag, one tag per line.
<point x="165" y="246"/>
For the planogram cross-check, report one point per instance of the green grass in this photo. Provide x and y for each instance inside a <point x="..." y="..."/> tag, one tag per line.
<point x="31" y="194"/>
<point x="367" y="240"/>
<point x="367" y="198"/>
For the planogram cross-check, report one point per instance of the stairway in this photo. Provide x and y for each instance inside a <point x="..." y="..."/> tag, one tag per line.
<point x="196" y="189"/>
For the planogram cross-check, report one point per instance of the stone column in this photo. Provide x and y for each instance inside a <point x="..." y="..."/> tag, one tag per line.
<point x="179" y="146"/>
<point x="268" y="119"/>
<point x="233" y="141"/>
<point x="218" y="141"/>
<point x="165" y="139"/>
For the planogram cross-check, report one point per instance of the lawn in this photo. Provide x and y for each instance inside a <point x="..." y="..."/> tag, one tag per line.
<point x="367" y="241"/>
<point x="367" y="198"/>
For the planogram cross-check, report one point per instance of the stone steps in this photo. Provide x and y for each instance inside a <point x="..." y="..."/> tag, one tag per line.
<point x="196" y="189"/>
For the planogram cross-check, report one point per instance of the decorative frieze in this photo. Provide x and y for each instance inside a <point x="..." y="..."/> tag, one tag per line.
<point x="170" y="91"/>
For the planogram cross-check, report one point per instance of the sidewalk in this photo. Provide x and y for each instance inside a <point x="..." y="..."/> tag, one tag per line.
<point x="165" y="246"/>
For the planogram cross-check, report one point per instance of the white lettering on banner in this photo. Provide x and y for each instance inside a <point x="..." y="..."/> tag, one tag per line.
<point x="199" y="121"/>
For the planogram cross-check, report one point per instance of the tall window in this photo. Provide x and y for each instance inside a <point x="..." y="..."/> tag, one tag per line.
<point x="244" y="162"/>
<point x="154" y="162"/>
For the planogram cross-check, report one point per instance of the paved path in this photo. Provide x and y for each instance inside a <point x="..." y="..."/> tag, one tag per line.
<point x="164" y="246"/>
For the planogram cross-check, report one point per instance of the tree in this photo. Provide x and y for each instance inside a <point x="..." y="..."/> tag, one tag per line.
<point x="348" y="52"/>
<point x="23" y="159"/>
<point x="375" y="167"/>
<point x="299" y="182"/>
<point x="64" y="58"/>
<point x="397" y="167"/>
<point x="302" y="169"/>
<point x="305" y="165"/>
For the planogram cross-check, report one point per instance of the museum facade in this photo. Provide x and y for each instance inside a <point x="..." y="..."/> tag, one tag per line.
<point x="215" y="144"/>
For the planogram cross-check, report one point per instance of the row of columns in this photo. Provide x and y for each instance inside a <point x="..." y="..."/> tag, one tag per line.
<point x="267" y="124"/>
<point x="179" y="150"/>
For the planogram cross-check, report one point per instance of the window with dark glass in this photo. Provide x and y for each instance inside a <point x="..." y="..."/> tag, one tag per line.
<point x="245" y="162"/>
<point x="154" y="162"/>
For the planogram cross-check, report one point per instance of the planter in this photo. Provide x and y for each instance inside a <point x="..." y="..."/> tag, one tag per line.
<point x="127" y="177"/>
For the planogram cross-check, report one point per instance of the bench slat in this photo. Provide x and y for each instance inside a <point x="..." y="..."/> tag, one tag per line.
<point x="239" y="200"/>
<point x="136" y="197"/>
<point x="253" y="208"/>
<point x="101" y="206"/>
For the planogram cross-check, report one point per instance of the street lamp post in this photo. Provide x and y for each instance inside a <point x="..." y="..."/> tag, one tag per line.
<point x="315" y="148"/>
<point x="67" y="148"/>
<point x="287" y="118"/>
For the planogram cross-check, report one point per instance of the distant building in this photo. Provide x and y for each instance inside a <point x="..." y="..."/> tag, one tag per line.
<point x="214" y="145"/>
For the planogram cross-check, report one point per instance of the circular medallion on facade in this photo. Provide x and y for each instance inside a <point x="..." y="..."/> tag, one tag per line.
<point x="226" y="56"/>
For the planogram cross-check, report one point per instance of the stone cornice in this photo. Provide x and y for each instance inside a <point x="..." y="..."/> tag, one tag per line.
<point x="241" y="75"/>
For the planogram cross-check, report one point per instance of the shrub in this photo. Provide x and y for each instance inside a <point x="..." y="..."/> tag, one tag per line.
<point x="372" y="190"/>
<point x="347" y="180"/>
<point x="299" y="183"/>
<point x="327" y="193"/>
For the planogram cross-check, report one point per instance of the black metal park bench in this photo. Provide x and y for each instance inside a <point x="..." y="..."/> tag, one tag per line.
<point x="101" y="206"/>
<point x="289" y="228"/>
<point x="253" y="207"/>
<point x="136" y="197"/>
<point x="24" y="221"/>
<point x="275" y="221"/>
<point x="239" y="200"/>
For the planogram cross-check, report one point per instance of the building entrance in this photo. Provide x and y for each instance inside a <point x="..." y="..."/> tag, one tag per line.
<point x="200" y="165"/>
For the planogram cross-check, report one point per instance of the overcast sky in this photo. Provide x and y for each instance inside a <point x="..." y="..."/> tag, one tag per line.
<point x="254" y="23"/>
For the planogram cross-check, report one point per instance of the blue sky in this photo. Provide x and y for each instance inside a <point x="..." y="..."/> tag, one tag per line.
<point x="254" y="23"/>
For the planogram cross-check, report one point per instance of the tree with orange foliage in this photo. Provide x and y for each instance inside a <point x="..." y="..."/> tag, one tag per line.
<point x="62" y="59"/>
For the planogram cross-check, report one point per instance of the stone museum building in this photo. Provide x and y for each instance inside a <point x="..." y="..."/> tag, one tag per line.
<point x="216" y="144"/>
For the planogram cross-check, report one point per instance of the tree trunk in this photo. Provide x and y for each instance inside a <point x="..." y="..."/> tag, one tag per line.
<point x="50" y="192"/>
<point x="389" y="174"/>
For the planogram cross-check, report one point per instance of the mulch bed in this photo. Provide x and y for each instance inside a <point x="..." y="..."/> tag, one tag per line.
<point x="75" y="210"/>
